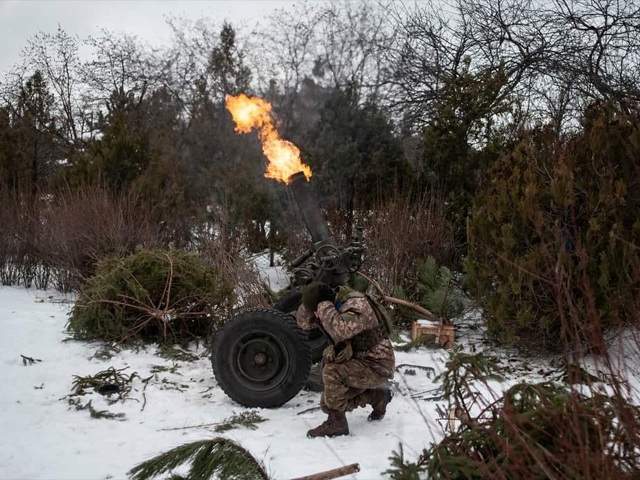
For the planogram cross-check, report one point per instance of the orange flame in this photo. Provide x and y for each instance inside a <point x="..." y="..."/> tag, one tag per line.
<point x="251" y="113"/>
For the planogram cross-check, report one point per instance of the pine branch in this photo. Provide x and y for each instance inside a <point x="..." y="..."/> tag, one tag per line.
<point x="207" y="457"/>
<point x="29" y="360"/>
<point x="425" y="340"/>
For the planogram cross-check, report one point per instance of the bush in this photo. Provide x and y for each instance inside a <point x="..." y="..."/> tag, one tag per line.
<point x="59" y="239"/>
<point x="553" y="239"/>
<point x="77" y="229"/>
<point x="229" y="259"/>
<point x="437" y="292"/>
<point x="397" y="230"/>
<point x="152" y="295"/>
<point x="536" y="431"/>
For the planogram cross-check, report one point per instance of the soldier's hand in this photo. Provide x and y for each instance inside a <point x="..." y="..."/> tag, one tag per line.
<point x="328" y="355"/>
<point x="345" y="354"/>
<point x="326" y="293"/>
<point x="315" y="293"/>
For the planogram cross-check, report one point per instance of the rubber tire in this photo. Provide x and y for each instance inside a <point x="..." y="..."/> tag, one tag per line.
<point x="318" y="342"/>
<point x="294" y="346"/>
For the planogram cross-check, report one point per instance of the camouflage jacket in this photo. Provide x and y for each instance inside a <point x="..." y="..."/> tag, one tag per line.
<point x="350" y="316"/>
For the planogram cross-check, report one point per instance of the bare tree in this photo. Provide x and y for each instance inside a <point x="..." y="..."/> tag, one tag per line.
<point x="555" y="56"/>
<point x="118" y="64"/>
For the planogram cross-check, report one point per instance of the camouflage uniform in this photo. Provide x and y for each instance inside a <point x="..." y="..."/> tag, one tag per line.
<point x="348" y="381"/>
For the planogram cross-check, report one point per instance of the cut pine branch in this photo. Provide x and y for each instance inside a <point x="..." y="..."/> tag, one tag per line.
<point x="218" y="456"/>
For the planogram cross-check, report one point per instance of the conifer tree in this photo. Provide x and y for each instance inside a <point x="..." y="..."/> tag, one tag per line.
<point x="31" y="153"/>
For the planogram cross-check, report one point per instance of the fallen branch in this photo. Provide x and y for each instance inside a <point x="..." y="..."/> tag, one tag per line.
<point x="404" y="303"/>
<point x="308" y="410"/>
<point x="414" y="306"/>
<point x="335" y="473"/>
<point x="29" y="360"/>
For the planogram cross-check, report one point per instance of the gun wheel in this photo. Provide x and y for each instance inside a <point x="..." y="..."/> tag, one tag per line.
<point x="261" y="358"/>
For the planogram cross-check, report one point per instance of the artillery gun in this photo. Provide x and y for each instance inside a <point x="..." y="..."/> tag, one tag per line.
<point x="261" y="358"/>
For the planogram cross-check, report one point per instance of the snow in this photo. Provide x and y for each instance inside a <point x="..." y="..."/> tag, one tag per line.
<point x="423" y="322"/>
<point x="42" y="436"/>
<point x="276" y="277"/>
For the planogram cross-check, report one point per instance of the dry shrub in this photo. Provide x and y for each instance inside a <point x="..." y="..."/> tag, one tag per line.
<point x="19" y="259"/>
<point x="10" y="245"/>
<point x="224" y="248"/>
<point x="79" y="228"/>
<point x="228" y="257"/>
<point x="399" y="232"/>
<point x="59" y="239"/>
<point x="296" y="238"/>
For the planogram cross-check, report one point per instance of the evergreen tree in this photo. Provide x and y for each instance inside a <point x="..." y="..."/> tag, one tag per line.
<point x="226" y="65"/>
<point x="353" y="152"/>
<point x="29" y="137"/>
<point x="461" y="139"/>
<point x="9" y="173"/>
<point x="121" y="152"/>
<point x="553" y="239"/>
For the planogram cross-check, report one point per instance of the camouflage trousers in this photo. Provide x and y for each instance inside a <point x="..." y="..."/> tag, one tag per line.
<point x="347" y="385"/>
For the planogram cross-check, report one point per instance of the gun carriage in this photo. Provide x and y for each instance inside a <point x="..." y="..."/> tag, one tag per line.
<point x="261" y="358"/>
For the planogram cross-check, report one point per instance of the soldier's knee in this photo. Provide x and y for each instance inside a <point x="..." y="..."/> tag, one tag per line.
<point x="331" y="373"/>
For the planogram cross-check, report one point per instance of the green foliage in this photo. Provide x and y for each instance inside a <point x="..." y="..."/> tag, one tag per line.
<point x="402" y="469"/>
<point x="110" y="377"/>
<point x="539" y="429"/>
<point x="462" y="374"/>
<point x="358" y="283"/>
<point x="436" y="289"/>
<point x="26" y="361"/>
<point x="176" y="354"/>
<point x="245" y="419"/>
<point x="227" y="66"/>
<point x="123" y="151"/>
<point x="462" y="140"/>
<point x="554" y="235"/>
<point x="98" y="414"/>
<point x="353" y="151"/>
<point x="152" y="295"/>
<point x="218" y="456"/>
<point x="28" y="138"/>
<point x="402" y="316"/>
<point x="536" y="431"/>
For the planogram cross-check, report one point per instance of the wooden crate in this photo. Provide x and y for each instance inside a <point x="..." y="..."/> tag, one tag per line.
<point x="445" y="333"/>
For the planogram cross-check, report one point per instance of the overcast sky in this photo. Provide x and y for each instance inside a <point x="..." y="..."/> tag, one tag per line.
<point x="21" y="19"/>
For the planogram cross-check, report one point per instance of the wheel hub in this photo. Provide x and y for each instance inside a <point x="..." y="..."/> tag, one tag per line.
<point x="260" y="361"/>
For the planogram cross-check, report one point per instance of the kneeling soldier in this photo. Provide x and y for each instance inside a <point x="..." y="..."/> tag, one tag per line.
<point x="359" y="360"/>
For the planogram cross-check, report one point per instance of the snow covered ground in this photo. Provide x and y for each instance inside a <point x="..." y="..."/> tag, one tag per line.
<point x="42" y="436"/>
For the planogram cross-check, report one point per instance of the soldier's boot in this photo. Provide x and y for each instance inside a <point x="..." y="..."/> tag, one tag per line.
<point x="379" y="399"/>
<point x="335" y="425"/>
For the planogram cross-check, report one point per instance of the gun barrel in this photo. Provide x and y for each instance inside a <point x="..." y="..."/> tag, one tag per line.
<point x="311" y="213"/>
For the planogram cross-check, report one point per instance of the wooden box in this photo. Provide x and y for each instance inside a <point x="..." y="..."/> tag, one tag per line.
<point x="444" y="333"/>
